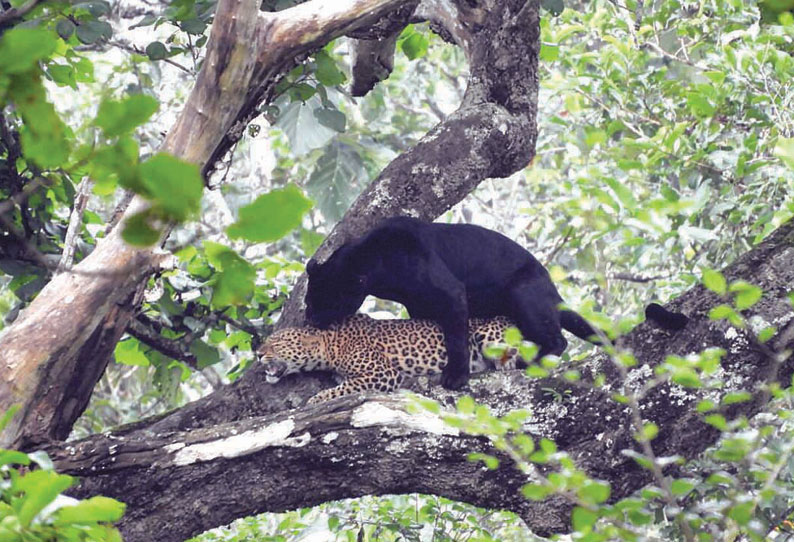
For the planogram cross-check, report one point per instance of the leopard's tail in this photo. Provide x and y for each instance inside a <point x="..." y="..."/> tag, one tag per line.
<point x="577" y="325"/>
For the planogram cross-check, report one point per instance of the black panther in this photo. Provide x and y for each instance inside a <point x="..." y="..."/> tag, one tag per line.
<point x="447" y="273"/>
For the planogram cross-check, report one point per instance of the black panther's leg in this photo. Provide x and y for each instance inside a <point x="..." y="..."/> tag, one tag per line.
<point x="442" y="298"/>
<point x="534" y="304"/>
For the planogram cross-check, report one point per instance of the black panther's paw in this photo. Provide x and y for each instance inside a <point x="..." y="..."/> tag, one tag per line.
<point x="454" y="380"/>
<point x="669" y="320"/>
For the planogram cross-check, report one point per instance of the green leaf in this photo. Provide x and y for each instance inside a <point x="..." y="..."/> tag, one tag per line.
<point x="123" y="116"/>
<point x="747" y="294"/>
<point x="193" y="26"/>
<point x="206" y="355"/>
<point x="736" y="397"/>
<point x="91" y="511"/>
<point x="174" y="185"/>
<point x="91" y="32"/>
<point x="128" y="352"/>
<point x="555" y="7"/>
<point x="549" y="52"/>
<point x="583" y="519"/>
<point x="594" y="492"/>
<point x="65" y="28"/>
<point x="512" y="336"/>
<point x="22" y="48"/>
<point x="717" y="420"/>
<point x="156" y="51"/>
<point x="681" y="487"/>
<point x="336" y="180"/>
<point x="490" y="461"/>
<point x="327" y="71"/>
<point x="414" y="45"/>
<point x="331" y="118"/>
<point x="784" y="149"/>
<point x="649" y="432"/>
<point x="43" y="135"/>
<point x="706" y="405"/>
<point x="138" y="231"/>
<point x="714" y="281"/>
<point x="465" y="405"/>
<point x="13" y="457"/>
<point x="271" y="215"/>
<point x="536" y="492"/>
<point x="40" y="487"/>
<point x="742" y="513"/>
<point x="233" y="284"/>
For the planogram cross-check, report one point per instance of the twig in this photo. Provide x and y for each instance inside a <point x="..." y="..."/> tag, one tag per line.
<point x="75" y="224"/>
<point x="636" y="278"/>
<point x="138" y="51"/>
<point x="15" y="13"/>
<point x="171" y="348"/>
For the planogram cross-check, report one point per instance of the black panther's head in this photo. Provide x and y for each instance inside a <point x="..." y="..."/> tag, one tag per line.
<point x="333" y="293"/>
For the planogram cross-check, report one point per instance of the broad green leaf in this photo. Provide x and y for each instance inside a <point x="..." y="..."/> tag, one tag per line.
<point x="336" y="180"/>
<point x="22" y="48"/>
<point x="784" y="149"/>
<point x="128" y="352"/>
<point x="415" y="44"/>
<point x="44" y="136"/>
<point x="94" y="510"/>
<point x="747" y="295"/>
<point x="549" y="53"/>
<point x="206" y="355"/>
<point x="271" y="215"/>
<point x="65" y="28"/>
<point x="174" y="185"/>
<point x="490" y="461"/>
<point x="512" y="336"/>
<point x="555" y="7"/>
<point x="536" y="492"/>
<point x="233" y="284"/>
<point x="583" y="519"/>
<point x="40" y="487"/>
<point x="138" y="231"/>
<point x="594" y="492"/>
<point x="13" y="457"/>
<point x="331" y="118"/>
<point x="465" y="405"/>
<point x="156" y="51"/>
<point x="736" y="397"/>
<point x="714" y="281"/>
<point x="90" y="32"/>
<point x="327" y="72"/>
<point x="681" y="487"/>
<point x="304" y="131"/>
<point x="193" y="26"/>
<point x="118" y="117"/>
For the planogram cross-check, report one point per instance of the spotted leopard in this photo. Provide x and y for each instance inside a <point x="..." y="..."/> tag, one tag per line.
<point x="376" y="355"/>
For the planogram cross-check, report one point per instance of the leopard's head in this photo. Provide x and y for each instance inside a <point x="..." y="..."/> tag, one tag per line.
<point x="291" y="350"/>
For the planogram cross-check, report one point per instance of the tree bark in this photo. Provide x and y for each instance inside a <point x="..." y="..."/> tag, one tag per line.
<point x="183" y="482"/>
<point x="53" y="355"/>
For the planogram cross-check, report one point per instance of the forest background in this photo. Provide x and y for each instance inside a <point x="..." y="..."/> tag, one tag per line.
<point x="665" y="150"/>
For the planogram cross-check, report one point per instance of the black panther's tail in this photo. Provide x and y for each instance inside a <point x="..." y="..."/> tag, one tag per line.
<point x="577" y="325"/>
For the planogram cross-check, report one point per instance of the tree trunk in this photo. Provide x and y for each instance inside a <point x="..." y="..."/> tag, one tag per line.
<point x="180" y="483"/>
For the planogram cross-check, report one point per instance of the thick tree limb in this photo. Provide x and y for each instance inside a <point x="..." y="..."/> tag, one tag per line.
<point x="282" y="460"/>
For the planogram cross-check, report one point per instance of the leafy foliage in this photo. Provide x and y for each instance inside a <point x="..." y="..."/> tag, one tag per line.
<point x="32" y="507"/>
